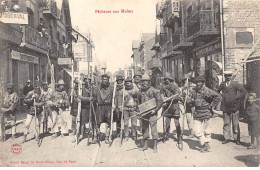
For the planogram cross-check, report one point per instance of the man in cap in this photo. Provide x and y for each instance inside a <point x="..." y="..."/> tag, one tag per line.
<point x="169" y="89"/>
<point x="103" y="95"/>
<point x="205" y="100"/>
<point x="58" y="104"/>
<point x="28" y="87"/>
<point x="232" y="94"/>
<point x="147" y="93"/>
<point x="130" y="108"/>
<point x="9" y="108"/>
<point x="186" y="92"/>
<point x="118" y="102"/>
<point x="34" y="100"/>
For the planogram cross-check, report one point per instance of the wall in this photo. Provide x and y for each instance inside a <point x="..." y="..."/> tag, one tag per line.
<point x="240" y="16"/>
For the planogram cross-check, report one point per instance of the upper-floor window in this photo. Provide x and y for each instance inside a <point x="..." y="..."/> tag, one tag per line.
<point x="51" y="32"/>
<point x="30" y="17"/>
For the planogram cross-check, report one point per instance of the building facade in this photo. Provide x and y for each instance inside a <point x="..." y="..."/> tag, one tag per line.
<point x="45" y="37"/>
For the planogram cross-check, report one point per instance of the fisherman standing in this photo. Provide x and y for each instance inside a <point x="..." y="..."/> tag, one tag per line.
<point x="232" y="94"/>
<point x="9" y="108"/>
<point x="59" y="103"/>
<point x="205" y="100"/>
<point x="169" y="89"/>
<point x="147" y="93"/>
<point x="103" y="95"/>
<point x="35" y="101"/>
<point x="130" y="108"/>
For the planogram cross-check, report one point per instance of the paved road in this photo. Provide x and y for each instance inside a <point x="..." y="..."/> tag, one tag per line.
<point x="61" y="152"/>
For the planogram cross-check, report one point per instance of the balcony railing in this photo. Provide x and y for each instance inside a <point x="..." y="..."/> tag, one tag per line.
<point x="204" y="21"/>
<point x="32" y="38"/>
<point x="50" y="7"/>
<point x="163" y="38"/>
<point x="178" y="36"/>
<point x="153" y="63"/>
<point x="54" y="51"/>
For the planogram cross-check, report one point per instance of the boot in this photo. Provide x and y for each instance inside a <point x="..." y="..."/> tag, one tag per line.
<point x="155" y="146"/>
<point x="252" y="146"/>
<point x="145" y="147"/>
<point x="55" y="135"/>
<point x="126" y="139"/>
<point x="180" y="145"/>
<point x="205" y="148"/>
<point x="24" y="139"/>
<point x="191" y="134"/>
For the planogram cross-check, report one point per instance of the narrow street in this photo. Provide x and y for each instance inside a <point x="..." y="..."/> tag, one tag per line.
<point x="61" y="152"/>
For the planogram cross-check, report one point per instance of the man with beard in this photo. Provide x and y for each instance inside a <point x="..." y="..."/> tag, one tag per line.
<point x="169" y="89"/>
<point x="59" y="103"/>
<point x="232" y="93"/>
<point x="130" y="108"/>
<point x="205" y="100"/>
<point x="147" y="93"/>
<point x="34" y="100"/>
<point x="9" y="108"/>
<point x="103" y="95"/>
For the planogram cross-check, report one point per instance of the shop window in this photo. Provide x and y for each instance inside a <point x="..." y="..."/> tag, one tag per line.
<point x="244" y="38"/>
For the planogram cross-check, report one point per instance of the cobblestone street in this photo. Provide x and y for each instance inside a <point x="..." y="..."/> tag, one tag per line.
<point x="61" y="152"/>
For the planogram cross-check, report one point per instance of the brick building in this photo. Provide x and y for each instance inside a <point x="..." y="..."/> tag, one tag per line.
<point x="241" y="23"/>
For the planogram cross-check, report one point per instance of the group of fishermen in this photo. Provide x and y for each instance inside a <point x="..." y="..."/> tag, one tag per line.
<point x="108" y="102"/>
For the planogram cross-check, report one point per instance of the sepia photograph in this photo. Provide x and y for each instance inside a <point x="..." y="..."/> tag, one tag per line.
<point x="129" y="83"/>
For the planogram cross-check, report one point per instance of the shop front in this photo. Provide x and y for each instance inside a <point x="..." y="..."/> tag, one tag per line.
<point x="23" y="67"/>
<point x="208" y="62"/>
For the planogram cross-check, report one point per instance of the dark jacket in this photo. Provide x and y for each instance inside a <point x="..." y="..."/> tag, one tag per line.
<point x="231" y="96"/>
<point x="205" y="99"/>
<point x="27" y="89"/>
<point x="39" y="99"/>
<point x="168" y="91"/>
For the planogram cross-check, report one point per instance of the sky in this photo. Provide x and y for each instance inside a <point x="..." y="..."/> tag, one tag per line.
<point x="113" y="33"/>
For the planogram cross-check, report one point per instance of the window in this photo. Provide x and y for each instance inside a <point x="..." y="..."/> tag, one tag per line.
<point x="30" y="17"/>
<point x="244" y="38"/>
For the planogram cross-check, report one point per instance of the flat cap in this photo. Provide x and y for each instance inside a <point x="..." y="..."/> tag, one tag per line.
<point x="119" y="77"/>
<point x="9" y="85"/>
<point x="128" y="79"/>
<point x="200" y="79"/>
<point x="228" y="72"/>
<point x="137" y="74"/>
<point x="105" y="75"/>
<point x="145" y="77"/>
<point x="168" y="76"/>
<point x="28" y="81"/>
<point x="186" y="76"/>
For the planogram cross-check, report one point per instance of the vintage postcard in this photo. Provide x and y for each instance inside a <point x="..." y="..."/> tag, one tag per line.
<point x="119" y="83"/>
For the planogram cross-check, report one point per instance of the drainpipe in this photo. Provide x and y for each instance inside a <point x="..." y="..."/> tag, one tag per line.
<point x="222" y="38"/>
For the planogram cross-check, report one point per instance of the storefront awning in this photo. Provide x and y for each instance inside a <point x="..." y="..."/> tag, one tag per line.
<point x="68" y="70"/>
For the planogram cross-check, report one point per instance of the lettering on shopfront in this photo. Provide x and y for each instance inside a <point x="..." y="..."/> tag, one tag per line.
<point x="14" y="18"/>
<point x="8" y="33"/>
<point x="25" y="57"/>
<point x="207" y="50"/>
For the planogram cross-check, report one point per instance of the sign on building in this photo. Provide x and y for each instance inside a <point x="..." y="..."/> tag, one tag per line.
<point x="64" y="61"/>
<point x="14" y="18"/>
